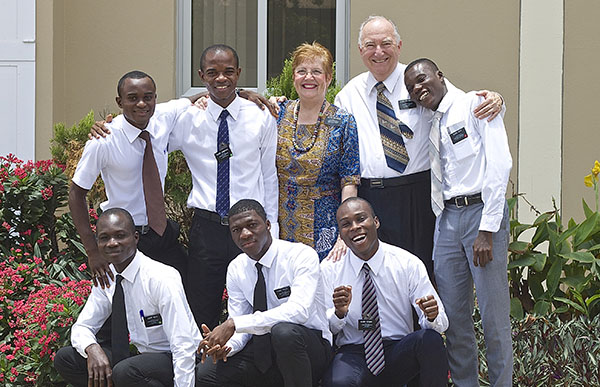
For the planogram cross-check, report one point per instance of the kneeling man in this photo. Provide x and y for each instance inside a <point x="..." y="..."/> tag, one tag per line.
<point x="148" y="307"/>
<point x="374" y="286"/>
<point x="277" y="331"/>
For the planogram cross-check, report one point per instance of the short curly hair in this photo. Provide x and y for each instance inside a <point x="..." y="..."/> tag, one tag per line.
<point x="313" y="51"/>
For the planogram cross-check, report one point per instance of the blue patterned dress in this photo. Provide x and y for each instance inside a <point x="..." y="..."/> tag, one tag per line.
<point x="310" y="182"/>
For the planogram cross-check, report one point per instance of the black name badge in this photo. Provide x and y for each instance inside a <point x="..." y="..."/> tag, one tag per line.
<point x="458" y="135"/>
<point x="366" y="324"/>
<point x="223" y="154"/>
<point x="406" y="104"/>
<point x="283" y="292"/>
<point x="333" y="121"/>
<point x="153" y="321"/>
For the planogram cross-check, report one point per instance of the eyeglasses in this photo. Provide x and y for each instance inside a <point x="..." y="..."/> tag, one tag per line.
<point x="304" y="72"/>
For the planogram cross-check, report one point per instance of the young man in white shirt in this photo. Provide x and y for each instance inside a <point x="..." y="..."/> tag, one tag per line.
<point x="155" y="314"/>
<point x="375" y="287"/>
<point x="277" y="333"/>
<point x="474" y="161"/>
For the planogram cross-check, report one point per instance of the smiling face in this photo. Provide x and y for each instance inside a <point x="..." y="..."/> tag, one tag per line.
<point x="117" y="240"/>
<point x="379" y="49"/>
<point x="250" y="233"/>
<point x="425" y="84"/>
<point x="220" y="74"/>
<point x="137" y="98"/>
<point x="358" y="228"/>
<point x="311" y="80"/>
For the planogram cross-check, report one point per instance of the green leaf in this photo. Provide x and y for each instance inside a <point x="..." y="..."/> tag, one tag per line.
<point x="516" y="309"/>
<point x="543" y="218"/>
<point x="540" y="261"/>
<point x="79" y="246"/>
<point x="579" y="256"/>
<point x="586" y="229"/>
<point x="554" y="276"/>
<point x="595" y="247"/>
<point x="586" y="209"/>
<point x="541" y="234"/>
<point x="577" y="281"/>
<point x="541" y="308"/>
<point x="519" y="228"/>
<point x="527" y="260"/>
<point x="518" y="247"/>
<point x="571" y="303"/>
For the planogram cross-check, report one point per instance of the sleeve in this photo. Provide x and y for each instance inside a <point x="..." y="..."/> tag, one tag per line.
<point x="305" y="276"/>
<point x="350" y="164"/>
<point x="179" y="326"/>
<point x="328" y="278"/>
<point x="420" y="286"/>
<point x="237" y="305"/>
<point x="172" y="110"/>
<point x="268" y="147"/>
<point x="93" y="159"/>
<point x="94" y="313"/>
<point x="498" y="163"/>
<point x="181" y="129"/>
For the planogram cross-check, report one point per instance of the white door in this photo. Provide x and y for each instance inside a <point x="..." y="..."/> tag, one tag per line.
<point x="17" y="78"/>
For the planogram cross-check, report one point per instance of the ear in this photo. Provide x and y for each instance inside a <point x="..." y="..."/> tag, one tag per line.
<point x="118" y="99"/>
<point x="137" y="237"/>
<point x="268" y="225"/>
<point x="376" y="220"/>
<point x="239" y="71"/>
<point x="399" y="45"/>
<point x="201" y="75"/>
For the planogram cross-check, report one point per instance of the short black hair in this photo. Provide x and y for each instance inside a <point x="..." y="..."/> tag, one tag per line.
<point x="130" y="224"/>
<point x="361" y="200"/>
<point x="135" y="74"/>
<point x="248" y="205"/>
<point x="422" y="60"/>
<point x="215" y="48"/>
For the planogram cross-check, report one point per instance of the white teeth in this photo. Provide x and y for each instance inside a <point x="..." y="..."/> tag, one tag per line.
<point x="358" y="238"/>
<point x="423" y="95"/>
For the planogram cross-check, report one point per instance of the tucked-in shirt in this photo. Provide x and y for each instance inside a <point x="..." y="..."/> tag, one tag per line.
<point x="359" y="97"/>
<point x="286" y="265"/>
<point x="119" y="157"/>
<point x="399" y="277"/>
<point x="481" y="162"/>
<point x="150" y="288"/>
<point x="253" y="142"/>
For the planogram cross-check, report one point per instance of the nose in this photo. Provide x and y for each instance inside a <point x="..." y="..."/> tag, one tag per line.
<point x="141" y="103"/>
<point x="245" y="233"/>
<point x="221" y="77"/>
<point x="112" y="242"/>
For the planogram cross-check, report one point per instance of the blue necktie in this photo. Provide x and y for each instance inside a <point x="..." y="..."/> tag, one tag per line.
<point x="222" y="202"/>
<point x="392" y="130"/>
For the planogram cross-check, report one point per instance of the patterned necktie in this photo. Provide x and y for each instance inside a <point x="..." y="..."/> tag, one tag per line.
<point x="119" y="331"/>
<point x="374" y="354"/>
<point x="262" y="343"/>
<point x="437" y="199"/>
<point x="391" y="130"/>
<point x="153" y="193"/>
<point x="222" y="201"/>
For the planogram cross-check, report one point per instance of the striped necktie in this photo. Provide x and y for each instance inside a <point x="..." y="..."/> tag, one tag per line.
<point x="437" y="198"/>
<point x="391" y="130"/>
<point x="222" y="199"/>
<point x="374" y="354"/>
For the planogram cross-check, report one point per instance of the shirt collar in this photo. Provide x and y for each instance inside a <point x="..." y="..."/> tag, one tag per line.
<point x="447" y="101"/>
<point x="132" y="269"/>
<point x="131" y="132"/>
<point x="375" y="262"/>
<point x="215" y="110"/>
<point x="390" y="82"/>
<point x="269" y="257"/>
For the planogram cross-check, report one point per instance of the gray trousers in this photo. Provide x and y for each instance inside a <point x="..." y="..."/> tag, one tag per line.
<point x="455" y="274"/>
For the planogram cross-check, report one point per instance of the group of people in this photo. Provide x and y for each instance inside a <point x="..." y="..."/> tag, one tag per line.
<point x="326" y="252"/>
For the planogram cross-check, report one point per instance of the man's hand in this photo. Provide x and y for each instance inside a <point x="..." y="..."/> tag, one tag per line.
<point x="260" y="101"/>
<point x="482" y="249"/>
<point x="338" y="251"/>
<point x="98" y="129"/>
<point x="342" y="296"/>
<point x="202" y="102"/>
<point x="98" y="367"/>
<point x="490" y="107"/>
<point x="429" y="306"/>
<point x="216" y="351"/>
<point x="99" y="270"/>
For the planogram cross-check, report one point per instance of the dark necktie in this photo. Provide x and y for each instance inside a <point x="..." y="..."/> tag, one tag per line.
<point x="374" y="354"/>
<point x="391" y="130"/>
<point x="119" y="331"/>
<point x="153" y="193"/>
<point x="222" y="200"/>
<point x="262" y="343"/>
<point x="437" y="198"/>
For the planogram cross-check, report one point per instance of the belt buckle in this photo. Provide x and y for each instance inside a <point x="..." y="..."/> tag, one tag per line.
<point x="376" y="183"/>
<point x="464" y="199"/>
<point x="143" y="230"/>
<point x="224" y="221"/>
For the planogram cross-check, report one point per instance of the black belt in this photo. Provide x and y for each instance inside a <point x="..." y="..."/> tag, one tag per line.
<point x="212" y="216"/>
<point x="463" y="201"/>
<point x="142" y="230"/>
<point x="395" y="181"/>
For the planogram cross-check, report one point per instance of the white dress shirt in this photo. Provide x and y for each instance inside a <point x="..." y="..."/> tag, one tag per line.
<point x="119" y="157"/>
<point x="399" y="277"/>
<point x="359" y="97"/>
<point x="284" y="264"/>
<point x="253" y="142"/>
<point x="150" y="288"/>
<point x="479" y="163"/>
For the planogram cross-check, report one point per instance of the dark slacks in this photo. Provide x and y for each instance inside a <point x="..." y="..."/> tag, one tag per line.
<point x="300" y="357"/>
<point x="421" y="353"/>
<point x="404" y="211"/>
<point x="147" y="369"/>
<point x="210" y="251"/>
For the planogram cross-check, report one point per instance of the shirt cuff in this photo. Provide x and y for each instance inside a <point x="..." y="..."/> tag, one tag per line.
<point x="243" y="324"/>
<point x="490" y="223"/>
<point x="336" y="324"/>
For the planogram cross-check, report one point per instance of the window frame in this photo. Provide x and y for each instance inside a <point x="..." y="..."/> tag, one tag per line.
<point x="183" y="60"/>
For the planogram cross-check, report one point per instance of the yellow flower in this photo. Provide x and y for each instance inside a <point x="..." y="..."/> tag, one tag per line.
<point x="588" y="180"/>
<point x="596" y="169"/>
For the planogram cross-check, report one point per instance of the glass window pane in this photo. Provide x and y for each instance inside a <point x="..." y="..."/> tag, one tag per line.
<point x="232" y="22"/>
<point x="292" y="22"/>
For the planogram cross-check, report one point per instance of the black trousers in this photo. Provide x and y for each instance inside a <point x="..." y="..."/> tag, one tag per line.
<point x="147" y="369"/>
<point x="210" y="251"/>
<point x="300" y="357"/>
<point x="404" y="211"/>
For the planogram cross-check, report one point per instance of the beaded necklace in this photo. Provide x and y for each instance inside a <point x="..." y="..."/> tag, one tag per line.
<point x="315" y="132"/>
